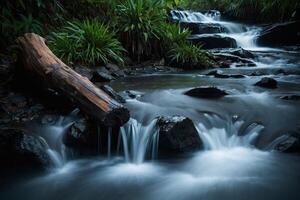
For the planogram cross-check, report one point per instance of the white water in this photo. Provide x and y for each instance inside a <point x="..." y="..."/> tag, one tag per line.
<point x="244" y="36"/>
<point x="138" y="140"/>
<point x="229" y="136"/>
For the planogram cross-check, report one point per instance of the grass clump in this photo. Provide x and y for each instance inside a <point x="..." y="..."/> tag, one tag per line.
<point x="89" y="41"/>
<point x="138" y="22"/>
<point x="179" y="51"/>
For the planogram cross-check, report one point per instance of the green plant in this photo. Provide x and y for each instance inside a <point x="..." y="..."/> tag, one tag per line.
<point x="187" y="55"/>
<point x="89" y="41"/>
<point x="172" y="33"/>
<point x="138" y="22"/>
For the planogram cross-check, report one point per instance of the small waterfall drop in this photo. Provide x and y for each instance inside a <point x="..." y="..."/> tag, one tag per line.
<point x="138" y="140"/>
<point x="229" y="136"/>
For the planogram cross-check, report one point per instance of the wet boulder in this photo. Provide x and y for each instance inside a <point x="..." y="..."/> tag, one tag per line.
<point x="283" y="34"/>
<point x="225" y="60"/>
<point x="240" y="52"/>
<point x="206" y="92"/>
<point x="267" y="82"/>
<point x="113" y="94"/>
<point x="291" y="97"/>
<point x="218" y="74"/>
<point x="84" y="71"/>
<point x="102" y="75"/>
<point x="115" y="70"/>
<point x="178" y="134"/>
<point x="288" y="143"/>
<point x="22" y="153"/>
<point x="208" y="41"/>
<point x="202" y="28"/>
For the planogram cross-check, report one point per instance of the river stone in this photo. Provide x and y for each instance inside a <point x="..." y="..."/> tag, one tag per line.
<point x="226" y="60"/>
<point x="208" y="41"/>
<point x="267" y="82"/>
<point x="177" y="134"/>
<point x="84" y="71"/>
<point x="288" y="143"/>
<point x="113" y="94"/>
<point x="22" y="153"/>
<point x="206" y="92"/>
<point x="202" y="28"/>
<point x="102" y="75"/>
<point x="291" y="97"/>
<point x="240" y="52"/>
<point x="115" y="70"/>
<point x="283" y="34"/>
<point x="218" y="74"/>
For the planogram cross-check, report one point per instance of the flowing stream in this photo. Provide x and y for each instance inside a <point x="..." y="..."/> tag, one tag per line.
<point x="237" y="131"/>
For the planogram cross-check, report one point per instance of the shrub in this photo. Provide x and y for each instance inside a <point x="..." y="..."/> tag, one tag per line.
<point x="188" y="56"/>
<point x="89" y="41"/>
<point x="138" y="24"/>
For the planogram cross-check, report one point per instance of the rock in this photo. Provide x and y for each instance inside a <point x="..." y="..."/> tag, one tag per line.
<point x="113" y="94"/>
<point x="22" y="153"/>
<point x="267" y="83"/>
<point x="240" y="52"/>
<point x="217" y="74"/>
<point x="281" y="34"/>
<point x="208" y="41"/>
<point x="280" y="71"/>
<point x="115" y="70"/>
<point x="227" y="60"/>
<point x="178" y="134"/>
<point x="288" y="143"/>
<point x="76" y="135"/>
<point x="102" y="75"/>
<point x="206" y="92"/>
<point x="84" y="71"/>
<point x="291" y="97"/>
<point x="202" y="28"/>
<point x="131" y="94"/>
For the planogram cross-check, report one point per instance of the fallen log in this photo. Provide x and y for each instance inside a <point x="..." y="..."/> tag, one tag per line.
<point x="37" y="58"/>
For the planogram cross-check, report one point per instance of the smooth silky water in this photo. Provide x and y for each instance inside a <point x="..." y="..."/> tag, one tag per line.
<point x="237" y="131"/>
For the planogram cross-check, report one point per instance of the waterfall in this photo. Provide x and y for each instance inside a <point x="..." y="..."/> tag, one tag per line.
<point x="230" y="135"/>
<point x="138" y="140"/>
<point x="245" y="37"/>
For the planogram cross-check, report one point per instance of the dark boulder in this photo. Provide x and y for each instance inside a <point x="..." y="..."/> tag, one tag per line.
<point x="213" y="41"/>
<point x="22" y="153"/>
<point x="115" y="70"/>
<point x="218" y="74"/>
<point x="291" y="97"/>
<point x="102" y="75"/>
<point x="227" y="60"/>
<point x="240" y="52"/>
<point x="84" y="71"/>
<point x="281" y="34"/>
<point x="288" y="143"/>
<point x="267" y="83"/>
<point x="178" y="134"/>
<point x="206" y="92"/>
<point x="113" y="94"/>
<point x="202" y="28"/>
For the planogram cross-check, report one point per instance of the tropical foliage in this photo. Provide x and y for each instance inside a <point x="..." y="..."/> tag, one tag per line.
<point x="89" y="41"/>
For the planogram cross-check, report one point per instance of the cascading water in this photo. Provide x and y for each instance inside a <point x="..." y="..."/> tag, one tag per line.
<point x="244" y="36"/>
<point x="229" y="136"/>
<point x="138" y="140"/>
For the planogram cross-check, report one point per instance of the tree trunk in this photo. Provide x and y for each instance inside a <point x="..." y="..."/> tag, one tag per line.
<point x="39" y="59"/>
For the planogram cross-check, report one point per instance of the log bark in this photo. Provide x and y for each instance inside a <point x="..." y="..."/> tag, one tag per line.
<point x="37" y="58"/>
